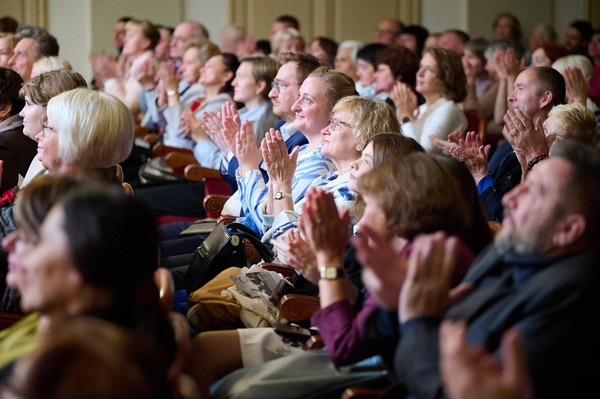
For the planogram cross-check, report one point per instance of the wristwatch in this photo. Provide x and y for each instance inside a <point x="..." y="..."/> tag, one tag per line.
<point x="171" y="93"/>
<point x="281" y="195"/>
<point x="330" y="273"/>
<point x="406" y="119"/>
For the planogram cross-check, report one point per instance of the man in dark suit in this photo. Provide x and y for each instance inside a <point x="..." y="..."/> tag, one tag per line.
<point x="540" y="278"/>
<point x="16" y="149"/>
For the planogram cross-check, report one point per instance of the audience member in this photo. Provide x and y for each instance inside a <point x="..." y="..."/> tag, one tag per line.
<point x="442" y="83"/>
<point x="395" y="64"/>
<point x="545" y="54"/>
<point x="8" y="24"/>
<point x="119" y="77"/>
<point x="454" y="39"/>
<point x="594" y="53"/>
<point x="506" y="26"/>
<point x="482" y="85"/>
<point x="16" y="149"/>
<point x="346" y="58"/>
<point x="388" y="30"/>
<point x="282" y="22"/>
<point x="577" y="36"/>
<point x="162" y="51"/>
<point x="366" y="65"/>
<point x="536" y="91"/>
<point x="37" y="92"/>
<point x="35" y="43"/>
<point x="525" y="281"/>
<point x="540" y="34"/>
<point x="578" y="72"/>
<point x="413" y="38"/>
<point x="287" y="40"/>
<point x="324" y="49"/>
<point x="119" y="34"/>
<point x="70" y="271"/>
<point x="8" y="41"/>
<point x="79" y="357"/>
<point x="183" y="32"/>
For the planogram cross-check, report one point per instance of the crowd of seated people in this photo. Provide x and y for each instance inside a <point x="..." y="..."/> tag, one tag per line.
<point x="443" y="258"/>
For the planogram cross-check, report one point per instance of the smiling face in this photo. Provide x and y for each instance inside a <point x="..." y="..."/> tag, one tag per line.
<point x="361" y="166"/>
<point x="50" y="279"/>
<point x="312" y="108"/>
<point x="338" y="139"/>
<point x="47" y="152"/>
<point x="284" y="92"/>
<point x="32" y="118"/>
<point x="525" y="96"/>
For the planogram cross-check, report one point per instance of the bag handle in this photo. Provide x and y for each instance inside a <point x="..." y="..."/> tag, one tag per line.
<point x="244" y="231"/>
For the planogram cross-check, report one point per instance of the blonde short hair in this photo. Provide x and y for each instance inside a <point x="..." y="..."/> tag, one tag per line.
<point x="95" y="129"/>
<point x="578" y="121"/>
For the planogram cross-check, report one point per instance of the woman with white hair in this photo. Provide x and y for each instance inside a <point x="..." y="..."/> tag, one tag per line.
<point x="345" y="59"/>
<point x="578" y="72"/>
<point x="85" y="131"/>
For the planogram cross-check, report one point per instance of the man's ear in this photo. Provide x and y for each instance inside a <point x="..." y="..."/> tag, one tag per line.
<point x="546" y="99"/>
<point x="570" y="229"/>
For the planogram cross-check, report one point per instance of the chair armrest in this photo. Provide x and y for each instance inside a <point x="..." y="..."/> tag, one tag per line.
<point x="285" y="270"/>
<point x="161" y="150"/>
<point x="297" y="307"/>
<point x="176" y="159"/>
<point x="213" y="203"/>
<point x="225" y="219"/>
<point x="197" y="172"/>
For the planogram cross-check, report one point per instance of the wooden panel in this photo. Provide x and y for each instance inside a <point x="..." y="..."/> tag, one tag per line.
<point x="31" y="12"/>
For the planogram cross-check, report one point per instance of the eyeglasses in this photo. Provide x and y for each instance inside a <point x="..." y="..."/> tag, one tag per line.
<point x="47" y="129"/>
<point x="336" y="123"/>
<point x="278" y="86"/>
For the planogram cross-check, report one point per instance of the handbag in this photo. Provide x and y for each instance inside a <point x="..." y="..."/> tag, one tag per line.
<point x="224" y="247"/>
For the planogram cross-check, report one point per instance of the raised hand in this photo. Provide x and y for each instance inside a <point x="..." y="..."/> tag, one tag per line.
<point x="211" y="123"/>
<point x="426" y="290"/>
<point x="293" y="250"/>
<point x="404" y="99"/>
<point x="526" y="138"/>
<point x="469" y="372"/>
<point x="577" y="85"/>
<point x="324" y="227"/>
<point x="473" y="153"/>
<point x="246" y="151"/>
<point x="281" y="165"/>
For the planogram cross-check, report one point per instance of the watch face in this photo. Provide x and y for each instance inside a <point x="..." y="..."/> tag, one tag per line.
<point x="278" y="196"/>
<point x="330" y="273"/>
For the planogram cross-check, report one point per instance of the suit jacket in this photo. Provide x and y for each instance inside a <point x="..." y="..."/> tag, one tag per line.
<point x="506" y="171"/>
<point x="16" y="150"/>
<point x="551" y="302"/>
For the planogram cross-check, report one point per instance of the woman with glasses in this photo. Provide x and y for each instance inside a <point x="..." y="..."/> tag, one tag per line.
<point x="442" y="83"/>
